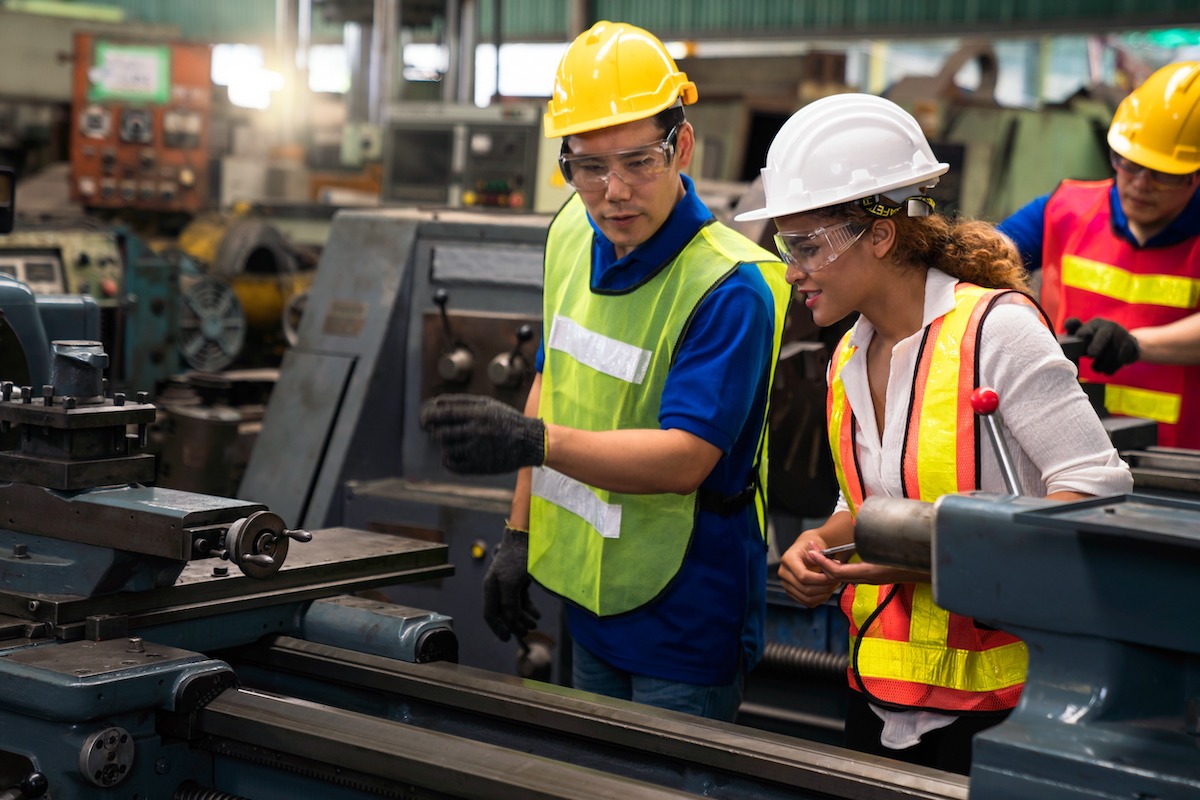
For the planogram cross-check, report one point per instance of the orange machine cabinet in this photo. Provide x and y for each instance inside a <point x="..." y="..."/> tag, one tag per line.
<point x="140" y="125"/>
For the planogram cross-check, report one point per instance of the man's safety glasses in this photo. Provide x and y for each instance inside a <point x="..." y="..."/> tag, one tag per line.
<point x="1163" y="180"/>
<point x="635" y="166"/>
<point x="815" y="250"/>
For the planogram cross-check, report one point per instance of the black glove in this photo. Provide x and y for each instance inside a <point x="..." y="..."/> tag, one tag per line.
<point x="507" y="608"/>
<point x="481" y="435"/>
<point x="1106" y="343"/>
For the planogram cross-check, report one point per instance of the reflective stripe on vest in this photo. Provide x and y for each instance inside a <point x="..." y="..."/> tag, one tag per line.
<point x="1159" y="406"/>
<point x="1160" y="290"/>
<point x="1093" y="273"/>
<point x="607" y="360"/>
<point x="916" y="654"/>
<point x="842" y="425"/>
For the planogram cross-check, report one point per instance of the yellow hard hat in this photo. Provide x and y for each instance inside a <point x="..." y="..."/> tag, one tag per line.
<point x="1158" y="124"/>
<point x="612" y="74"/>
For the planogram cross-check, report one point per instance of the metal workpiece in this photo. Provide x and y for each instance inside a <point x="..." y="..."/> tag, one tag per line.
<point x="480" y="708"/>
<point x="895" y="532"/>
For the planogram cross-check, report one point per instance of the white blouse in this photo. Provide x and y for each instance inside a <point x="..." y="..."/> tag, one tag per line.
<point x="1054" y="435"/>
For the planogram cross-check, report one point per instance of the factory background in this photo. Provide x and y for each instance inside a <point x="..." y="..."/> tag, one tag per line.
<point x="268" y="230"/>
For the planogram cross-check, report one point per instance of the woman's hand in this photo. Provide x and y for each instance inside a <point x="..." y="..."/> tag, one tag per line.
<point x="801" y="576"/>
<point x="860" y="571"/>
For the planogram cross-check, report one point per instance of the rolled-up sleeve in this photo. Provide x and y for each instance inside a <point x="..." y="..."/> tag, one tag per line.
<point x="1055" y="435"/>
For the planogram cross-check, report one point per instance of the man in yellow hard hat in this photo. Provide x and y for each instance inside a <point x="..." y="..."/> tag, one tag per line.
<point x="645" y="426"/>
<point x="1120" y="258"/>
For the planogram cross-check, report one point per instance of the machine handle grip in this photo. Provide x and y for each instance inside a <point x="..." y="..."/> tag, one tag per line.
<point x="34" y="785"/>
<point x="985" y="401"/>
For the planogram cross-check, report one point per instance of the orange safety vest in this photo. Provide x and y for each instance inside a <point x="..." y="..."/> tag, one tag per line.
<point x="906" y="651"/>
<point x="1088" y="271"/>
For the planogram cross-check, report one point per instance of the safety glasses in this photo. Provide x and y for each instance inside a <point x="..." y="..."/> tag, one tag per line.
<point x="1163" y="180"/>
<point x="815" y="250"/>
<point x="635" y="167"/>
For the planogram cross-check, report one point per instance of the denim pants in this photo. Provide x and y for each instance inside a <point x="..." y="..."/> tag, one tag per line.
<point x="592" y="674"/>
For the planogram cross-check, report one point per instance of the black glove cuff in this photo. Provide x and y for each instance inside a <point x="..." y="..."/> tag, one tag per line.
<point x="532" y="443"/>
<point x="515" y="535"/>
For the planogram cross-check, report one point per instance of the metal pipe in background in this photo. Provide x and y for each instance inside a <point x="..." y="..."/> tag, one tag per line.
<point x="804" y="662"/>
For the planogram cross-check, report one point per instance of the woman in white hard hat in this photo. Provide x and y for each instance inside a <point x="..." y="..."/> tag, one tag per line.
<point x="942" y="309"/>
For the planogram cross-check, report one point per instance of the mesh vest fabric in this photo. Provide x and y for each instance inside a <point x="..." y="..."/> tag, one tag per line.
<point x="1089" y="272"/>
<point x="607" y="360"/>
<point x="907" y="651"/>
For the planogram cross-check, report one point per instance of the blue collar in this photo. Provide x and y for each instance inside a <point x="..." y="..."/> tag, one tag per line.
<point x="615" y="275"/>
<point x="1185" y="226"/>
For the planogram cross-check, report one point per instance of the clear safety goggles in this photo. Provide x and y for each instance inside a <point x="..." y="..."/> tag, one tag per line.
<point x="635" y="167"/>
<point x="1163" y="180"/>
<point x="815" y="250"/>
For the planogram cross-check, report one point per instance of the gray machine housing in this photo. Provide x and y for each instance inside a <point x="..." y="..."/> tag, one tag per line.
<point x="408" y="304"/>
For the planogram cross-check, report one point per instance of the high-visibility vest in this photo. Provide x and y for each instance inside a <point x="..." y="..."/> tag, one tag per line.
<point x="607" y="358"/>
<point x="906" y="651"/>
<point x="1088" y="271"/>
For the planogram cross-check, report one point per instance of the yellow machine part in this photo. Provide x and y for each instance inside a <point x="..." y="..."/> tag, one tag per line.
<point x="264" y="297"/>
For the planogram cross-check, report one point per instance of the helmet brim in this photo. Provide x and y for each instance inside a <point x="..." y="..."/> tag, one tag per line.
<point x="798" y="206"/>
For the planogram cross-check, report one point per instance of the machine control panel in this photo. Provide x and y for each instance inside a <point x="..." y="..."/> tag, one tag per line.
<point x="462" y="156"/>
<point x="140" y="114"/>
<point x="87" y="262"/>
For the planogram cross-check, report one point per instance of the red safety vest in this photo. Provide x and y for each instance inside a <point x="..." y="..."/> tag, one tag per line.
<point x="1089" y="271"/>
<point x="906" y="651"/>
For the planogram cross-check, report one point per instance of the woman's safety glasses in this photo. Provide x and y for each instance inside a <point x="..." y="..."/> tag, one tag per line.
<point x="814" y="251"/>
<point x="635" y="166"/>
<point x="1163" y="180"/>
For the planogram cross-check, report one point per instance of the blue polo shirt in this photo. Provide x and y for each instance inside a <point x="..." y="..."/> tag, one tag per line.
<point x="1027" y="227"/>
<point x="708" y="624"/>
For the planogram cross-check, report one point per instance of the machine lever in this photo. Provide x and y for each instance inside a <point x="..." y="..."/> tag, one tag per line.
<point x="258" y="560"/>
<point x="34" y="785"/>
<point x="441" y="297"/>
<point x="298" y="535"/>
<point x="456" y="362"/>
<point x="508" y="369"/>
<point x="985" y="401"/>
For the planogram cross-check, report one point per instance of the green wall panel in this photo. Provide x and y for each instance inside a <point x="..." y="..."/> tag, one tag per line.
<point x="547" y="20"/>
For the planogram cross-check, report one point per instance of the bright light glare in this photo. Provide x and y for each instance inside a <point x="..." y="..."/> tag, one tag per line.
<point x="526" y="70"/>
<point x="328" y="70"/>
<point x="253" y="89"/>
<point x="230" y="61"/>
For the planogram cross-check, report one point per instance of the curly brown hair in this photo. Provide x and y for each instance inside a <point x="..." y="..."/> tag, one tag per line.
<point x="967" y="249"/>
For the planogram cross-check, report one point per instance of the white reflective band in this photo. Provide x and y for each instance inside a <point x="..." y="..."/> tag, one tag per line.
<point x="579" y="499"/>
<point x="602" y="353"/>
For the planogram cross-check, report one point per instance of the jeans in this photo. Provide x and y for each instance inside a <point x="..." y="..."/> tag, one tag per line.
<point x="592" y="674"/>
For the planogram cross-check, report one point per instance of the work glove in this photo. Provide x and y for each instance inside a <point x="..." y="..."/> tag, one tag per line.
<point x="483" y="436"/>
<point x="1105" y="342"/>
<point x="507" y="609"/>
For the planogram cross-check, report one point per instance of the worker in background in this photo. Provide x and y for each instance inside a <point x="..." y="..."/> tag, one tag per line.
<point x="644" y="426"/>
<point x="943" y="309"/>
<point x="1120" y="258"/>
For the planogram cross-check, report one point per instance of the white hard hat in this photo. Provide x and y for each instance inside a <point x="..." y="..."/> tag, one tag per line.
<point x="845" y="147"/>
